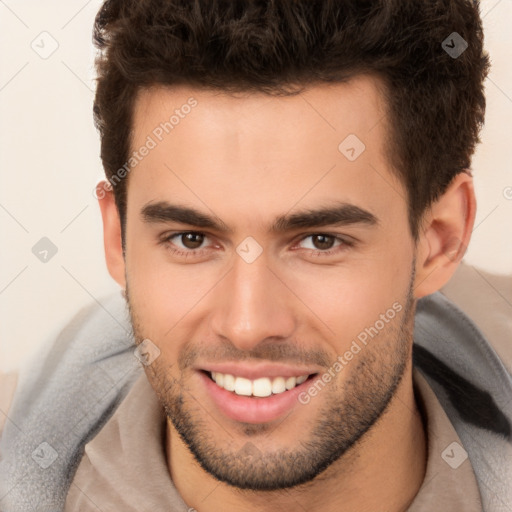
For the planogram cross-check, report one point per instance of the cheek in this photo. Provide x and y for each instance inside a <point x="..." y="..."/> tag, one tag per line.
<point x="163" y="294"/>
<point x="349" y="298"/>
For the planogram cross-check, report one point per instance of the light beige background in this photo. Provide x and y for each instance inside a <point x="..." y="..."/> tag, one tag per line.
<point x="49" y="164"/>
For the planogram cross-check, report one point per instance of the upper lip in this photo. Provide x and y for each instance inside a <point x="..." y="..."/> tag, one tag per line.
<point x="259" y="370"/>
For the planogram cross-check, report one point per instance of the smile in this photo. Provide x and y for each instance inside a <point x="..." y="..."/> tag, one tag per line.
<point x="261" y="387"/>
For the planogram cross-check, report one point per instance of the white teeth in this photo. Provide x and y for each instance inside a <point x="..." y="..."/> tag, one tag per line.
<point x="229" y="382"/>
<point x="243" y="386"/>
<point x="261" y="387"/>
<point x="278" y="385"/>
<point x="291" y="382"/>
<point x="219" y="379"/>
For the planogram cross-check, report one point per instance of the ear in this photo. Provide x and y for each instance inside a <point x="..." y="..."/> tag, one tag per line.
<point x="444" y="235"/>
<point x="111" y="232"/>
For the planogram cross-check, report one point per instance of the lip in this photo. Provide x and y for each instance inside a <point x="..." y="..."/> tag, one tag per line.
<point x="257" y="371"/>
<point x="248" y="409"/>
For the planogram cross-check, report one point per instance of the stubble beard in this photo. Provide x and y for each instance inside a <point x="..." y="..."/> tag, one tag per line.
<point x="376" y="373"/>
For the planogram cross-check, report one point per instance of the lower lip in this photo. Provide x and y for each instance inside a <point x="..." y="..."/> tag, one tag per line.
<point x="248" y="409"/>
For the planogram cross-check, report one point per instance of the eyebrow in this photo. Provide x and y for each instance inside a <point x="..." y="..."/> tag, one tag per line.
<point x="342" y="214"/>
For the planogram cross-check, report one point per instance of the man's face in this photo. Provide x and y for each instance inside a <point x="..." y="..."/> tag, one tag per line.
<point x="266" y="291"/>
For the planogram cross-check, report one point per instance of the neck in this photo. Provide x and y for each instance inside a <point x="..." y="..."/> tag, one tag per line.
<point x="383" y="471"/>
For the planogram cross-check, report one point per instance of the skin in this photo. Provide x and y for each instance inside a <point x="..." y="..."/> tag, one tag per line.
<point x="248" y="159"/>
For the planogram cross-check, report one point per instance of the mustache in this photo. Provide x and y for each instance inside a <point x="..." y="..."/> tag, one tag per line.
<point x="283" y="352"/>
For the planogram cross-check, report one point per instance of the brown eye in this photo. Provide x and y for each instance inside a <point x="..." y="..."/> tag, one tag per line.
<point x="192" y="240"/>
<point x="323" y="242"/>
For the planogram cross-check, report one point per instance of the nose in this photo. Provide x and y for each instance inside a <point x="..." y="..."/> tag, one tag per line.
<point x="252" y="305"/>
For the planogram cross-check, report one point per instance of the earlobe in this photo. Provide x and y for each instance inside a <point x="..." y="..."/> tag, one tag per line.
<point x="111" y="233"/>
<point x="445" y="235"/>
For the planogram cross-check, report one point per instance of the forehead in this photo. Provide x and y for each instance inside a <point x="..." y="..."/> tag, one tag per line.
<point x="356" y="106"/>
<point x="236" y="152"/>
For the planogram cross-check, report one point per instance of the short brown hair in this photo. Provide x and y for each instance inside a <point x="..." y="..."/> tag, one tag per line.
<point x="436" y="102"/>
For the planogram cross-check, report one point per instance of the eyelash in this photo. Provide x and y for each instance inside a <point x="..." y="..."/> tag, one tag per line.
<point x="166" y="240"/>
